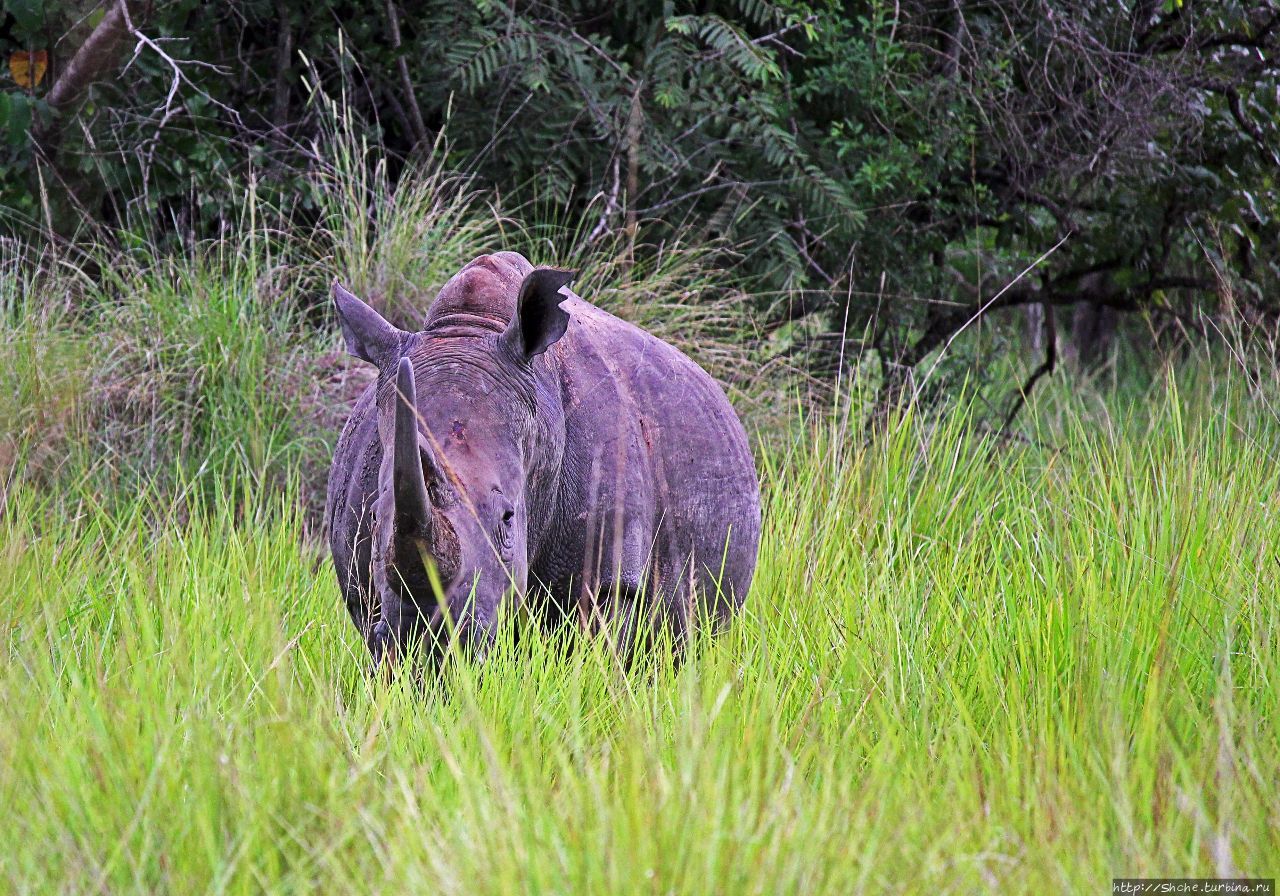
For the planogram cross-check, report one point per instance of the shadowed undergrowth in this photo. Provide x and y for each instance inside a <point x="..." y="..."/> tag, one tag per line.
<point x="962" y="668"/>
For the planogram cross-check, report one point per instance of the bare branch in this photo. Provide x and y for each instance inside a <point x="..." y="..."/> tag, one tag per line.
<point x="416" y="125"/>
<point x="1050" y="336"/>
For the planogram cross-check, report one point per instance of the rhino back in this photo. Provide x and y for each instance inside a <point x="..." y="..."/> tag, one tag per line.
<point x="658" y="480"/>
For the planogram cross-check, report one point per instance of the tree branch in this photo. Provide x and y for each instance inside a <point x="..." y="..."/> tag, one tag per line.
<point x="417" y="127"/>
<point x="99" y="53"/>
<point x="92" y="62"/>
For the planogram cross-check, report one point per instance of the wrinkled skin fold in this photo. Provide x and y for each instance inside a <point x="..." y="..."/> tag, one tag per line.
<point x="526" y="442"/>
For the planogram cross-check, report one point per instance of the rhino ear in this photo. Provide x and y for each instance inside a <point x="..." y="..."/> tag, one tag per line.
<point x="539" y="320"/>
<point x="366" y="332"/>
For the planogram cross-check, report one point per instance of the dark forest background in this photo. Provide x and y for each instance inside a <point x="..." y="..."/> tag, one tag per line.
<point x="878" y="176"/>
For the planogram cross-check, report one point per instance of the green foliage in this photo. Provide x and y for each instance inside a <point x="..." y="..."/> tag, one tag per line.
<point x="874" y="168"/>
<point x="19" y="108"/>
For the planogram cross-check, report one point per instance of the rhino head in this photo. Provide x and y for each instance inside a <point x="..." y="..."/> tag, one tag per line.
<point x="468" y="449"/>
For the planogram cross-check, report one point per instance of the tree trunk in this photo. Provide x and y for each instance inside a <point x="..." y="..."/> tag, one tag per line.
<point x="1093" y="329"/>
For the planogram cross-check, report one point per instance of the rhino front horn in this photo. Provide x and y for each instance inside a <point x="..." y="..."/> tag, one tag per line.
<point x="413" y="510"/>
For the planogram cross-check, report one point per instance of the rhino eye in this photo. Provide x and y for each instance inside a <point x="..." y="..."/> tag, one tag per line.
<point x="504" y="533"/>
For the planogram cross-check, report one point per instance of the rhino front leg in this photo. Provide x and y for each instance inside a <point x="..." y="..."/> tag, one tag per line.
<point x="396" y="618"/>
<point x="387" y="637"/>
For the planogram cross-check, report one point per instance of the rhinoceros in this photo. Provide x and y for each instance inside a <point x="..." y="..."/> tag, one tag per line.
<point x="526" y="441"/>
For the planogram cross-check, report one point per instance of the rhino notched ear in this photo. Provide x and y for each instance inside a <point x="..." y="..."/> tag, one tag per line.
<point x="539" y="320"/>
<point x="366" y="332"/>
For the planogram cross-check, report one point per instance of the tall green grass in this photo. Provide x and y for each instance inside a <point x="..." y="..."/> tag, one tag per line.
<point x="965" y="666"/>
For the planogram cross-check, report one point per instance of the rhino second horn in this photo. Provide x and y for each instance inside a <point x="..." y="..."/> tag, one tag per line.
<point x="413" y="509"/>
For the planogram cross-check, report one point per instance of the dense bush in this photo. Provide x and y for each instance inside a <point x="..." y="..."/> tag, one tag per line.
<point x="882" y="170"/>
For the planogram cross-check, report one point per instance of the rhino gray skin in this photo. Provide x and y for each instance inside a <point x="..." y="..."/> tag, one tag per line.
<point x="525" y="436"/>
